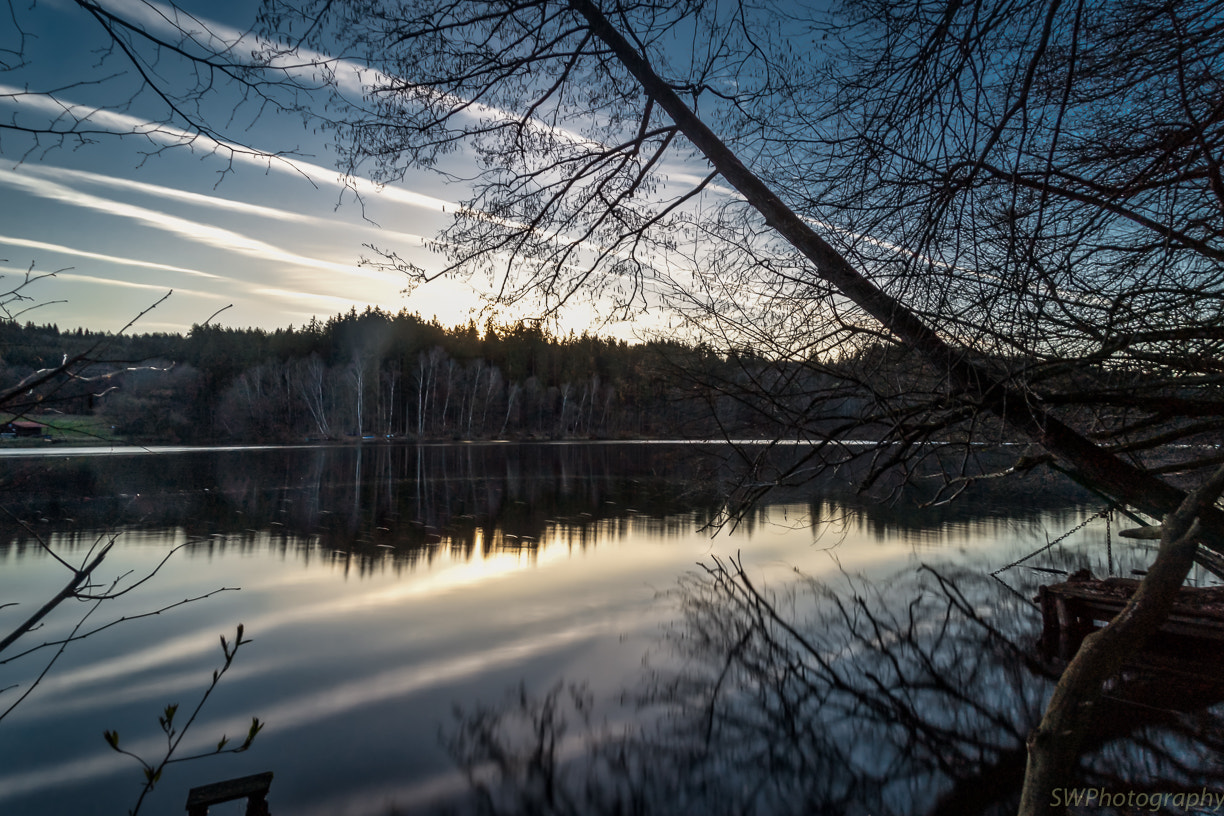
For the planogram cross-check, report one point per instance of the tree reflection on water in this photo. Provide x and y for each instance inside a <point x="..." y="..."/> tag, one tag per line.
<point x="398" y="503"/>
<point x="907" y="696"/>
<point x="415" y="497"/>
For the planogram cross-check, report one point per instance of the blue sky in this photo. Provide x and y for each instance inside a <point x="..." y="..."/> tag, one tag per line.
<point x="127" y="220"/>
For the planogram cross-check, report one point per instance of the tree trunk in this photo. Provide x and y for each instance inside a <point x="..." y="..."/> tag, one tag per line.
<point x="1104" y="470"/>
<point x="475" y="388"/>
<point x="514" y="389"/>
<point x="1054" y="746"/>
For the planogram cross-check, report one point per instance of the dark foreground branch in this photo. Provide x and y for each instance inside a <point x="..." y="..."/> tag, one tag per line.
<point x="1119" y="478"/>
<point x="1054" y="746"/>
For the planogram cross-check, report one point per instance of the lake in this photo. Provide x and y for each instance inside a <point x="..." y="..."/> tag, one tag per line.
<point x="564" y="625"/>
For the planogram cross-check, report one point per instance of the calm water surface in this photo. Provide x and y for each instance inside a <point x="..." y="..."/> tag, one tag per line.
<point x="395" y="592"/>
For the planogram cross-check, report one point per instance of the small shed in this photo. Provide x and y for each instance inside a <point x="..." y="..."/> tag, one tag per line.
<point x="22" y="427"/>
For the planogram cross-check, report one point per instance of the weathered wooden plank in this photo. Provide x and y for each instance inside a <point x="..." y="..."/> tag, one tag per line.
<point x="253" y="788"/>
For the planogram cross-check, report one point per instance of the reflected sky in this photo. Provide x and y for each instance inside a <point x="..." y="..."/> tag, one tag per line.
<point x="383" y="588"/>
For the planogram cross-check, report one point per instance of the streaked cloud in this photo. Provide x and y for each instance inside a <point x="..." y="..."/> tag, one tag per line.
<point x="100" y="281"/>
<point x="194" y="231"/>
<point x="347" y="75"/>
<point x="331" y="303"/>
<point x="172" y="193"/>
<point x="25" y="243"/>
<point x="164" y="134"/>
<point x="284" y="257"/>
<point x="215" y="202"/>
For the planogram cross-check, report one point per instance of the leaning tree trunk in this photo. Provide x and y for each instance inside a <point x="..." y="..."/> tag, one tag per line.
<point x="1188" y="520"/>
<point x="1054" y="746"/>
<point x="1106" y="471"/>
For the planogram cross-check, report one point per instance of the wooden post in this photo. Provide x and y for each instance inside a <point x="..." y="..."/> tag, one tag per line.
<point x="252" y="788"/>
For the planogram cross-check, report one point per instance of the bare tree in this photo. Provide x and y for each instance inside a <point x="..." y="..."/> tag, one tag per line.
<point x="940" y="223"/>
<point x="356" y="371"/>
<point x="909" y="696"/>
<point x="1019" y="206"/>
<point x="308" y="376"/>
<point x="920" y="177"/>
<point x="163" y="76"/>
<point x="579" y="116"/>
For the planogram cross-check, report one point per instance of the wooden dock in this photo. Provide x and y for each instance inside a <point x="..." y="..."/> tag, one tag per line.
<point x="1180" y="670"/>
<point x="1072" y="610"/>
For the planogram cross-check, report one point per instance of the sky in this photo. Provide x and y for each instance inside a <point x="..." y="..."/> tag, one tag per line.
<point x="123" y="221"/>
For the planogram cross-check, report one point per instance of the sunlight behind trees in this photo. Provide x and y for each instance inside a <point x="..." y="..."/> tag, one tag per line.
<point x="937" y="227"/>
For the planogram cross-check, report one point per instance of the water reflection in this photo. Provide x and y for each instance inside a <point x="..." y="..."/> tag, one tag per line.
<point x="909" y="696"/>
<point x="406" y="503"/>
<point x="385" y="584"/>
<point x="409" y="501"/>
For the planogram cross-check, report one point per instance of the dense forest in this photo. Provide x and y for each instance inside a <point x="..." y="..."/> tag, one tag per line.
<point x="373" y="374"/>
<point x="378" y="375"/>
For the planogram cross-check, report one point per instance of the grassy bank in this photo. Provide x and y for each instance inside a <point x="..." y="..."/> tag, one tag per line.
<point x="78" y="429"/>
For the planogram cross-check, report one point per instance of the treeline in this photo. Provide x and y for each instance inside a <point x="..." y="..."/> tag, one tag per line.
<point x="367" y="374"/>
